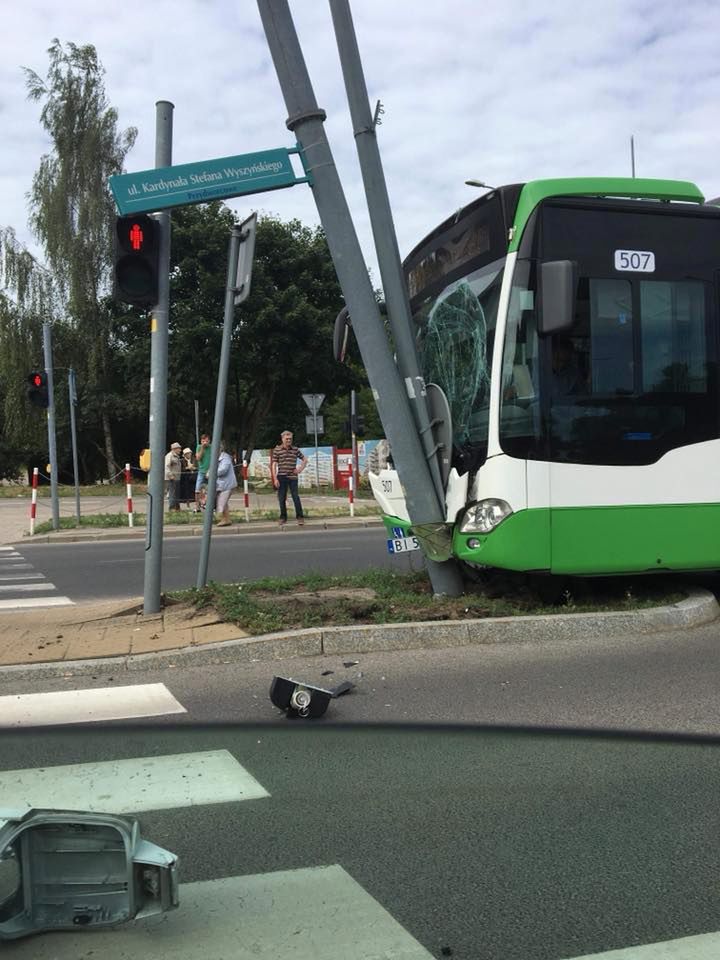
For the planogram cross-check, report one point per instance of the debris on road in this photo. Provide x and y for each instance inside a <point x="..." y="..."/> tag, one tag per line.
<point x="300" y="699"/>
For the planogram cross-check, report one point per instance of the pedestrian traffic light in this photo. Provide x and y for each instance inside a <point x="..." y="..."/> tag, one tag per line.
<point x="37" y="390"/>
<point x="359" y="425"/>
<point x="137" y="260"/>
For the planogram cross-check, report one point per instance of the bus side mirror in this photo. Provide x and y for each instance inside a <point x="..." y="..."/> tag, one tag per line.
<point x="558" y="287"/>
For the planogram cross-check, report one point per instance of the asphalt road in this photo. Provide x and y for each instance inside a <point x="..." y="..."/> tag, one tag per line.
<point x="482" y="845"/>
<point x="115" y="569"/>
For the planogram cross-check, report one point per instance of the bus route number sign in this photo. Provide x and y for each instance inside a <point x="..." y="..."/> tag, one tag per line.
<point x="635" y="261"/>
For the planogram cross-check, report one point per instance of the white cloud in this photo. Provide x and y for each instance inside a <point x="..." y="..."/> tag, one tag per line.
<point x="502" y="92"/>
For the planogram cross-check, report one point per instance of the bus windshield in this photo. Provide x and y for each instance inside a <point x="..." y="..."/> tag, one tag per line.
<point x="636" y="375"/>
<point x="456" y="338"/>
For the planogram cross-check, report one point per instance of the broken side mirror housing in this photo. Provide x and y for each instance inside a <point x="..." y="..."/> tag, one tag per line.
<point x="69" y="870"/>
<point x="558" y="289"/>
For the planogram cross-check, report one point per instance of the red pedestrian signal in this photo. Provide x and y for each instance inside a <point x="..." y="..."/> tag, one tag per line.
<point x="137" y="260"/>
<point x="37" y="391"/>
<point x="136" y="236"/>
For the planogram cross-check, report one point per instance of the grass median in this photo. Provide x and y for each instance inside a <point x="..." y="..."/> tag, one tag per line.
<point x="379" y="596"/>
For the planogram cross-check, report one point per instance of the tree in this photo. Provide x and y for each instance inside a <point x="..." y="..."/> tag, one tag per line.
<point x="72" y="211"/>
<point x="29" y="297"/>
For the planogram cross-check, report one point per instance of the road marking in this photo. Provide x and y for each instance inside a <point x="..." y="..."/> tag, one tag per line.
<point x="703" y="947"/>
<point x="315" y="913"/>
<point x="29" y="587"/>
<point x="134" y="785"/>
<point x="23" y="576"/>
<point x="9" y="552"/>
<point x="26" y="603"/>
<point x="16" y="565"/>
<point x="83" y="706"/>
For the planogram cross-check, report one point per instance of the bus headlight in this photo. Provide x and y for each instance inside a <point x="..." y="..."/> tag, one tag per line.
<point x="484" y="516"/>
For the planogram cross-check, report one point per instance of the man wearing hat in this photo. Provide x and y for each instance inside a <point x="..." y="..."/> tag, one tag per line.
<point x="173" y="469"/>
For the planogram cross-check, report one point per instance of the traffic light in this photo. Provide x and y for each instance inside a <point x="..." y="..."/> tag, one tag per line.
<point x="37" y="391"/>
<point x="359" y="425"/>
<point x="137" y="260"/>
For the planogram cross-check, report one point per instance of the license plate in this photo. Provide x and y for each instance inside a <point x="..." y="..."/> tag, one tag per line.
<point x="402" y="544"/>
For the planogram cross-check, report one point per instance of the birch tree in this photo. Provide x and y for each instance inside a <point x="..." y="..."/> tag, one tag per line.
<point x="72" y="211"/>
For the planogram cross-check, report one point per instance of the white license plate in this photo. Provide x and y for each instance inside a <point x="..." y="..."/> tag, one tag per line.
<point x="403" y="544"/>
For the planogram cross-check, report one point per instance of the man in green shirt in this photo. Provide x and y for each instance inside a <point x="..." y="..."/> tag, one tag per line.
<point x="202" y="455"/>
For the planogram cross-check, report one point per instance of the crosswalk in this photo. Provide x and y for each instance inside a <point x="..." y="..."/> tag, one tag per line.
<point x="315" y="912"/>
<point x="22" y="587"/>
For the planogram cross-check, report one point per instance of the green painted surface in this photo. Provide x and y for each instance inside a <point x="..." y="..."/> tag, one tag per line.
<point x="522" y="542"/>
<point x="638" y="188"/>
<point x="391" y="522"/>
<point x="597" y="540"/>
<point x="635" y="539"/>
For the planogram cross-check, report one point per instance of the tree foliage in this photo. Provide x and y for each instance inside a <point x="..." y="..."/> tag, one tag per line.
<point x="71" y="209"/>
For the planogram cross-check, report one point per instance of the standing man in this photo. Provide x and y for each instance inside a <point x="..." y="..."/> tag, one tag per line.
<point x="285" y="472"/>
<point x="173" y="469"/>
<point x="202" y="455"/>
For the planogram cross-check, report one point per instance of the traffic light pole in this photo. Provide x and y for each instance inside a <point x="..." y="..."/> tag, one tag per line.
<point x="72" y="391"/>
<point x="158" y="379"/>
<point x="52" y="449"/>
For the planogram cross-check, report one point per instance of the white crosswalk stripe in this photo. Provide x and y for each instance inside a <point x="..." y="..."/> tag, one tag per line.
<point x="15" y="585"/>
<point x="88" y="705"/>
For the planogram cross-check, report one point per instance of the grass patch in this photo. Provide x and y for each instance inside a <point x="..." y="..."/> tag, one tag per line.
<point x="377" y="596"/>
<point x="16" y="490"/>
<point x="183" y="518"/>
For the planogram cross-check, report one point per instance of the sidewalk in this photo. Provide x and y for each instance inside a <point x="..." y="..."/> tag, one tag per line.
<point x="112" y="638"/>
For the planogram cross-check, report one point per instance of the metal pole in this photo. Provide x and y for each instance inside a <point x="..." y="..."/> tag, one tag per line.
<point x="197" y="424"/>
<point x="234" y="251"/>
<point x="52" y="448"/>
<point x="632" y="154"/>
<point x="317" y="463"/>
<point x="353" y="437"/>
<point x="72" y="391"/>
<point x="158" y="379"/>
<point x="306" y="120"/>
<point x="383" y="227"/>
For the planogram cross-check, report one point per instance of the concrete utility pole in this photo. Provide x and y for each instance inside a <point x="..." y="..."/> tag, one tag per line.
<point x="158" y="379"/>
<point x="306" y="121"/>
<point x="52" y="447"/>
<point x="383" y="228"/>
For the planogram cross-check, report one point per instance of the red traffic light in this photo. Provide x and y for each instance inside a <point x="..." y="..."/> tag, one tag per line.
<point x="137" y="260"/>
<point x="37" y="390"/>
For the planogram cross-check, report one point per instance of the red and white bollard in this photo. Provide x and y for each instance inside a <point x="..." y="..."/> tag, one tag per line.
<point x="33" y="502"/>
<point x="246" y="495"/>
<point x="351" y="495"/>
<point x="128" y="487"/>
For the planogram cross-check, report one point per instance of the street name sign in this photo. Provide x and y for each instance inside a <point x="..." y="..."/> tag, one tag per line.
<point x="202" y="182"/>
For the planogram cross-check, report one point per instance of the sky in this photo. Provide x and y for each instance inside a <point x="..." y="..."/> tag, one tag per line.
<point x="500" y="92"/>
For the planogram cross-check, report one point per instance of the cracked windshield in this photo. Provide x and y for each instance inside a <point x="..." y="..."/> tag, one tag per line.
<point x="357" y="606"/>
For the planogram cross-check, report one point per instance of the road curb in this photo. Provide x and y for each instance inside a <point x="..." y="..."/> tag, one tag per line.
<point x="699" y="608"/>
<point x="239" y="529"/>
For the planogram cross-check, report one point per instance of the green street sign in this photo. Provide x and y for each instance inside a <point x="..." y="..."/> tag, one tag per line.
<point x="189" y="183"/>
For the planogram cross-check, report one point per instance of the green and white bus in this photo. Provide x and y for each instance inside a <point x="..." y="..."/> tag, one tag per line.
<point x="573" y="325"/>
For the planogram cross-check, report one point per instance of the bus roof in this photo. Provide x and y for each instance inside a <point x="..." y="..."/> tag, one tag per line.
<point x="636" y="188"/>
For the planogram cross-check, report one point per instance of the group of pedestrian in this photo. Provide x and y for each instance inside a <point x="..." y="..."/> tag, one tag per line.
<point x="186" y="475"/>
<point x="183" y="471"/>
